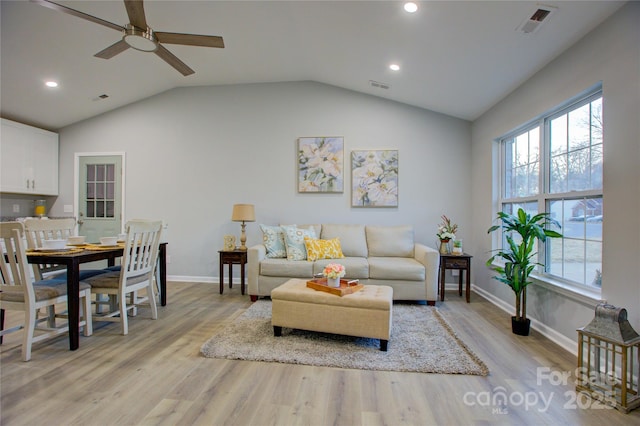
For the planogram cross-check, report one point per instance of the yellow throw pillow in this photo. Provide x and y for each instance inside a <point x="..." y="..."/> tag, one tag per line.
<point x="323" y="249"/>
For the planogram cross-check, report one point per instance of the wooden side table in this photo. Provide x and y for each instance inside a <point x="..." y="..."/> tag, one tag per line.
<point x="461" y="262"/>
<point x="232" y="257"/>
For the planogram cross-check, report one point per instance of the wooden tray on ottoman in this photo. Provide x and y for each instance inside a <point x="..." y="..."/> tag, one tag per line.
<point x="320" y="284"/>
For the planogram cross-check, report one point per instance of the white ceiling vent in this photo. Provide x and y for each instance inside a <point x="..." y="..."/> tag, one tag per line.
<point x="535" y="20"/>
<point x="379" y="85"/>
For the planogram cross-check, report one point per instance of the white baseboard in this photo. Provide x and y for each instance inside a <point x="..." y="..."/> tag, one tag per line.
<point x="560" y="339"/>
<point x="192" y="279"/>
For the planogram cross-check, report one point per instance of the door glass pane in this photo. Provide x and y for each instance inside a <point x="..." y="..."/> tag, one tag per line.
<point x="100" y="191"/>
<point x="101" y="188"/>
<point x="100" y="174"/>
<point x="91" y="191"/>
<point x="110" y="191"/>
<point x="110" y="172"/>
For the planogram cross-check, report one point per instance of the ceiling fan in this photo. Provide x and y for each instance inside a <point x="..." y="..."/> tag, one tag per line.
<point x="138" y="35"/>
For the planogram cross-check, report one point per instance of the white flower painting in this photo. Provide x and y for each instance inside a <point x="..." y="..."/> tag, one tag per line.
<point x="321" y="164"/>
<point x="374" y="178"/>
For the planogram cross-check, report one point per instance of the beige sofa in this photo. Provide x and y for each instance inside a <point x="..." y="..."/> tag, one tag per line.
<point x="377" y="255"/>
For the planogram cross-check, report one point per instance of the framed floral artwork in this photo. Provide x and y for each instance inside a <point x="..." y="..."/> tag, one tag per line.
<point x="374" y="178"/>
<point x="321" y="164"/>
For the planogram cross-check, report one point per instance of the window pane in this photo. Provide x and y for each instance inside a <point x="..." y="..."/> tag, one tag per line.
<point x="99" y="208"/>
<point x="90" y="209"/>
<point x="596" y="121"/>
<point x="91" y="191"/>
<point x="100" y="191"/>
<point x="579" y="123"/>
<point x="596" y="166"/>
<point x="559" y="135"/>
<point x="110" y="209"/>
<point x="534" y="145"/>
<point x="558" y="174"/>
<point x="509" y="182"/>
<point x="111" y="172"/>
<point x="100" y="172"/>
<point x="522" y="158"/>
<point x="110" y="191"/>
<point x="91" y="172"/>
<point x="579" y="170"/>
<point x="574" y="255"/>
<point x="554" y="257"/>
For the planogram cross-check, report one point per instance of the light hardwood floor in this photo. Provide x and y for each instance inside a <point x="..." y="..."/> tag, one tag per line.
<point x="156" y="375"/>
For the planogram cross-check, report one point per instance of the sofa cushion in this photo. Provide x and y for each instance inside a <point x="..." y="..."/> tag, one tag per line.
<point x="390" y="241"/>
<point x="396" y="268"/>
<point x="323" y="249"/>
<point x="355" y="267"/>
<point x="286" y="268"/>
<point x="352" y="238"/>
<point x="273" y="240"/>
<point x="315" y="227"/>
<point x="294" y="241"/>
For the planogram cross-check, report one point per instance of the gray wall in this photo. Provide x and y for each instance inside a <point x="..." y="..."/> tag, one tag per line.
<point x="611" y="54"/>
<point x="191" y="153"/>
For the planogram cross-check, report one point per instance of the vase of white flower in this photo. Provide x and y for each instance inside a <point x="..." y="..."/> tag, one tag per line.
<point x="446" y="232"/>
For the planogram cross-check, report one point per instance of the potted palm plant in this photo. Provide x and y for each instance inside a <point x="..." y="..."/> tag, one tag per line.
<point x="519" y="257"/>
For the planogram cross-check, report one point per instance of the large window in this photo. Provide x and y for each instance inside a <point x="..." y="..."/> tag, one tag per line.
<point x="554" y="164"/>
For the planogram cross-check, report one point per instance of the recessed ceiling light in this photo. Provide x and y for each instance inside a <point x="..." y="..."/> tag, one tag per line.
<point x="51" y="83"/>
<point x="394" y="67"/>
<point x="410" y="7"/>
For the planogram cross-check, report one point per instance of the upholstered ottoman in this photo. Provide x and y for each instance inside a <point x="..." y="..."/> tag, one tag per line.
<point x="366" y="313"/>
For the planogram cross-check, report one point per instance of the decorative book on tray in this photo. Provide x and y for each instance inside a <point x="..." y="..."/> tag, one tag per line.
<point x="346" y="286"/>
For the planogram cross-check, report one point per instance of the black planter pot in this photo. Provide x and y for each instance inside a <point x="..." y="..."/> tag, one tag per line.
<point x="521" y="328"/>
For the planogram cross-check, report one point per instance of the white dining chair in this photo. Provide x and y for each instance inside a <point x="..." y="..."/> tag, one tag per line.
<point x="136" y="273"/>
<point x="19" y="292"/>
<point x="39" y="230"/>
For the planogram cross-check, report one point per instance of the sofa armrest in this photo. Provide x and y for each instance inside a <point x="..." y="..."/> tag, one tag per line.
<point x="430" y="258"/>
<point x="255" y="255"/>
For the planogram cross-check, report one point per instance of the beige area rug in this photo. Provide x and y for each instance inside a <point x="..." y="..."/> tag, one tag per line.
<point x="421" y="341"/>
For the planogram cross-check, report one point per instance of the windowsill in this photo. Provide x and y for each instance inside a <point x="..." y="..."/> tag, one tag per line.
<point x="587" y="297"/>
<point x="590" y="298"/>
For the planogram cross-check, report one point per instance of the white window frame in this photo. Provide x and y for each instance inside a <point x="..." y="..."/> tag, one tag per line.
<point x="544" y="196"/>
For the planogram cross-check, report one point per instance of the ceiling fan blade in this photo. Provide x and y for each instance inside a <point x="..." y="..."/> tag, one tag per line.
<point x="173" y="60"/>
<point x="73" y="12"/>
<point x="190" y="39"/>
<point x="112" y="50"/>
<point x="135" y="10"/>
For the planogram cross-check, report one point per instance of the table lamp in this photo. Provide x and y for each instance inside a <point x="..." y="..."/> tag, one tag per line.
<point x="243" y="213"/>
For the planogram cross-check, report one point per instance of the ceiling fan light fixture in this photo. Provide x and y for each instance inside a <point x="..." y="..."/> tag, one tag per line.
<point x="144" y="41"/>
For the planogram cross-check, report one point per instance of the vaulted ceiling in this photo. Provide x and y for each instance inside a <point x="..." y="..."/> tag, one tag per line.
<point x="456" y="57"/>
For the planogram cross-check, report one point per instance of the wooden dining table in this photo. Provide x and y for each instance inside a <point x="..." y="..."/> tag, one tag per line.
<point x="73" y="259"/>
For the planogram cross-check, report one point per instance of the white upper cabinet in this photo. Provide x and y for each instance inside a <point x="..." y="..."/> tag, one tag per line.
<point x="28" y="160"/>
